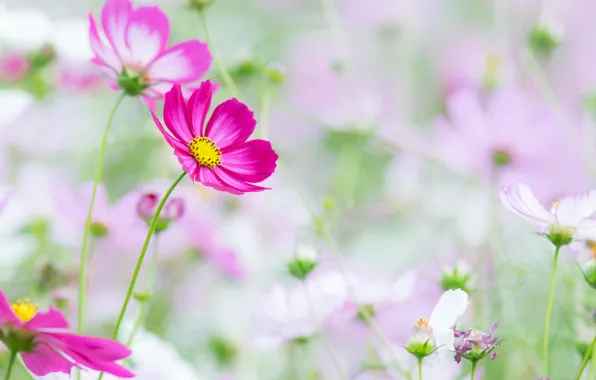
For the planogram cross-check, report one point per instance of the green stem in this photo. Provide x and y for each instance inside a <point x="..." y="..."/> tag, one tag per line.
<point x="420" y="369"/>
<point x="137" y="269"/>
<point x="592" y="366"/>
<point x="150" y="290"/>
<point x="86" y="232"/>
<point x="587" y="357"/>
<point x="13" y="356"/>
<point x="225" y="75"/>
<point x="474" y="364"/>
<point x="549" y="308"/>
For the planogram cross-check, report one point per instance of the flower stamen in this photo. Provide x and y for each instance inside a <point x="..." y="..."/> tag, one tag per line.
<point x="205" y="152"/>
<point x="24" y="309"/>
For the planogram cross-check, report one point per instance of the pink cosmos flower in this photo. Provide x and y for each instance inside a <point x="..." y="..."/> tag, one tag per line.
<point x="13" y="67"/>
<point x="216" y="155"/>
<point x="132" y="50"/>
<point x="568" y="218"/>
<point x="46" y="347"/>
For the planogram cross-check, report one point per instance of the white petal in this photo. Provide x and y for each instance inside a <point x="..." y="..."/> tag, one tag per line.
<point x="452" y="305"/>
<point x="571" y="210"/>
<point x="444" y="342"/>
<point x="522" y="201"/>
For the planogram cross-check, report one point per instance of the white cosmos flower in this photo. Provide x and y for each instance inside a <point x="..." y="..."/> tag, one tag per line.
<point x="568" y="218"/>
<point x="284" y="312"/>
<point x="436" y="333"/>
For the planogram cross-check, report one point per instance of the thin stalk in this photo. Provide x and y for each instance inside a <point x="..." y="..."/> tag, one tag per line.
<point x="223" y="72"/>
<point x="592" y="375"/>
<point x="139" y="264"/>
<point x="587" y="357"/>
<point x="474" y="364"/>
<point x="13" y="356"/>
<point x="549" y="308"/>
<point x="86" y="232"/>
<point x="420" y="369"/>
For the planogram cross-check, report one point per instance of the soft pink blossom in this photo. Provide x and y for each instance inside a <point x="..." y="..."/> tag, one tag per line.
<point x="46" y="346"/>
<point x="216" y="154"/>
<point x="132" y="50"/>
<point x="13" y="67"/>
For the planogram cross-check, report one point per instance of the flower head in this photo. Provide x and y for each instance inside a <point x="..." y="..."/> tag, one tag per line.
<point x="173" y="210"/>
<point x="475" y="345"/>
<point x="435" y="334"/>
<point x="568" y="219"/>
<point x="216" y="154"/>
<point x="42" y="340"/>
<point x="132" y="50"/>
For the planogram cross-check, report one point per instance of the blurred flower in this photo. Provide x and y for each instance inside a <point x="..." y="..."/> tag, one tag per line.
<point x="13" y="67"/>
<point x="589" y="272"/>
<point x="173" y="210"/>
<point x="509" y="140"/>
<point x="436" y="334"/>
<point x="458" y="277"/>
<point x="45" y="346"/>
<point x="217" y="156"/>
<point x="293" y="312"/>
<point x="203" y="238"/>
<point x="133" y="52"/>
<point x="475" y="345"/>
<point x="568" y="218"/>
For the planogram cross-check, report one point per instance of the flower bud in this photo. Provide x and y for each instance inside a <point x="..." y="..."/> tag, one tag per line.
<point x="304" y="262"/>
<point x="458" y="277"/>
<point x="173" y="210"/>
<point x="589" y="272"/>
<point x="224" y="351"/>
<point x="560" y="235"/>
<point x="422" y="342"/>
<point x="276" y="74"/>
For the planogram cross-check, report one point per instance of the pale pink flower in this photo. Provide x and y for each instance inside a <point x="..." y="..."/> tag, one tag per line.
<point x="13" y="67"/>
<point x="132" y="50"/>
<point x="569" y="218"/>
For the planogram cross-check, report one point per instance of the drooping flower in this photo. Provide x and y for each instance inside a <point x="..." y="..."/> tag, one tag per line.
<point x="436" y="333"/>
<point x="46" y="346"/>
<point x="568" y="218"/>
<point x="216" y="154"/>
<point x="132" y="50"/>
<point x="475" y="345"/>
<point x="172" y="210"/>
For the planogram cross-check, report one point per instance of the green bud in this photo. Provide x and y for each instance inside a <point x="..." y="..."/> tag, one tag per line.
<point x="589" y="272"/>
<point x="133" y="83"/>
<point x="98" y="230"/>
<point x="275" y="74"/>
<point x="365" y="312"/>
<point x="142" y="297"/>
<point x="560" y="235"/>
<point x="543" y="41"/>
<point x="457" y="278"/>
<point x="304" y="262"/>
<point x="501" y="158"/>
<point x="224" y="351"/>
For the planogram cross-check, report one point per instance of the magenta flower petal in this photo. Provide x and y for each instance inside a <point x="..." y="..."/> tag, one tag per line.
<point x="231" y="180"/>
<point x="198" y="106"/>
<point x="52" y="319"/>
<point x="182" y="63"/>
<point x="106" y="57"/>
<point x="252" y="161"/>
<point x="232" y="123"/>
<point x="207" y="177"/>
<point x="45" y="360"/>
<point x="147" y="33"/>
<point x="94" y="347"/>
<point x="175" y="115"/>
<point x="114" y="19"/>
<point x="188" y="162"/>
<point x="6" y="313"/>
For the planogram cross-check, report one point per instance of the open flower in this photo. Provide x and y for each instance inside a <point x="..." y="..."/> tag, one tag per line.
<point x="567" y="219"/>
<point x="46" y="347"/>
<point x="475" y="345"/>
<point x="216" y="155"/>
<point x="132" y="50"/>
<point x="436" y="333"/>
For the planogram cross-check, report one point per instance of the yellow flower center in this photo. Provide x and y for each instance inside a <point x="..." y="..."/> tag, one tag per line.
<point x="24" y="309"/>
<point x="205" y="152"/>
<point x="422" y="322"/>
